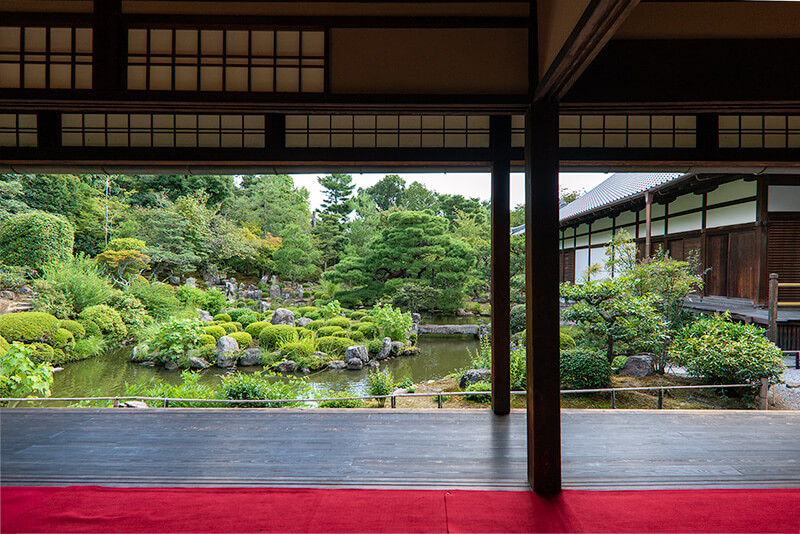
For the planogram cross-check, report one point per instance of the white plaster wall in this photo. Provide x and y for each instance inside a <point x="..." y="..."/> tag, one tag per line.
<point x="582" y="229"/>
<point x="685" y="223"/>
<point x="582" y="241"/>
<point x="581" y="262"/>
<point x="783" y="198"/>
<point x="631" y="229"/>
<point x="599" y="257"/>
<point x="685" y="203"/>
<point x="626" y="217"/>
<point x="602" y="224"/>
<point x="656" y="210"/>
<point x="732" y="191"/>
<point x="601" y="237"/>
<point x="737" y="214"/>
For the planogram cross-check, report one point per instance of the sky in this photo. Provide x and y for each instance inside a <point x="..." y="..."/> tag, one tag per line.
<point x="473" y="184"/>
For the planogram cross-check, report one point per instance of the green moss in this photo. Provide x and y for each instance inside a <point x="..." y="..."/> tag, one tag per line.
<point x="254" y="329"/>
<point x="244" y="339"/>
<point x="107" y="319"/>
<point x="64" y="340"/>
<point x="3" y="343"/>
<point x="305" y="310"/>
<point x="341" y="333"/>
<point x="329" y="330"/>
<point x="77" y="329"/>
<point x="274" y="335"/>
<point x="215" y="330"/>
<point x="356" y="336"/>
<point x="28" y="326"/>
<point x="224" y="317"/>
<point x="343" y="322"/>
<point x="91" y="327"/>
<point x="295" y="350"/>
<point x="335" y="346"/>
<point x="44" y="352"/>
<point x="369" y="330"/>
<point x="374" y="346"/>
<point x="207" y="339"/>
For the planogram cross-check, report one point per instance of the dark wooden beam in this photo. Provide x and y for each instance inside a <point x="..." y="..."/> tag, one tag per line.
<point x="595" y="28"/>
<point x="500" y="141"/>
<point x="109" y="42"/>
<point x="541" y="263"/>
<point x="48" y="129"/>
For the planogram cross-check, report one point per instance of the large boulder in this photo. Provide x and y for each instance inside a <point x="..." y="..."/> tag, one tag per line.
<point x="264" y="280"/>
<point x="449" y="329"/>
<point x="170" y="365"/>
<point x="133" y="404"/>
<point x="274" y="291"/>
<point x="357" y="351"/>
<point x="303" y="321"/>
<point x="205" y="316"/>
<point x="386" y="349"/>
<point x="398" y="347"/>
<point x="355" y="364"/>
<point x="286" y="366"/>
<point x="411" y="351"/>
<point x="191" y="282"/>
<point x="283" y="316"/>
<point x="227" y="347"/>
<point x="253" y="294"/>
<point x="473" y="376"/>
<point x="337" y="365"/>
<point x="196" y="362"/>
<point x="174" y="280"/>
<point x="250" y="357"/>
<point x="638" y="366"/>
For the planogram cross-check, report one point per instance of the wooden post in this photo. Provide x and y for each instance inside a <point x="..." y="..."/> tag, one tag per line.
<point x="762" y="394"/>
<point x="500" y="132"/>
<point x="648" y="222"/>
<point x="541" y="264"/>
<point x="613" y="399"/>
<point x="773" y="307"/>
<point x="660" y="399"/>
<point x="109" y="45"/>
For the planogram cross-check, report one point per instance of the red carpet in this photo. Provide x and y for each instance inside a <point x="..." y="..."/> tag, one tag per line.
<point x="99" y="509"/>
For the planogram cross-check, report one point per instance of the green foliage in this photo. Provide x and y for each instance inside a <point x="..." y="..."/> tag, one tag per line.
<point x="618" y="363"/>
<point x="341" y="400"/>
<point x="329" y="330"/>
<point x="479" y="386"/>
<point x="331" y="309"/>
<point x="244" y="339"/>
<point x="64" y="340"/>
<point x="357" y="315"/>
<point x="224" y="317"/>
<point x="566" y="341"/>
<point x="369" y="329"/>
<point x="131" y="309"/>
<point x="107" y="319"/>
<point x="380" y="382"/>
<point x="69" y="287"/>
<point x="392" y="322"/>
<point x="214" y="301"/>
<point x="724" y="352"/>
<point x="357" y="336"/>
<point x="176" y="337"/>
<point x="315" y="325"/>
<point x="417" y="296"/>
<point x="303" y="311"/>
<point x="374" y="346"/>
<point x="44" y="352"/>
<point x="583" y="369"/>
<point x="20" y="376"/>
<point x="36" y="240"/>
<point x="231" y="327"/>
<point x="273" y="336"/>
<point x="334" y="346"/>
<point x="343" y="322"/>
<point x="254" y="329"/>
<point x="255" y="387"/>
<point x="4" y="344"/>
<point x="206" y="339"/>
<point x="297" y="350"/>
<point x="89" y="347"/>
<point x="159" y="299"/>
<point x="13" y="276"/>
<point x="28" y="327"/>
<point x="189" y="388"/>
<point x="91" y="327"/>
<point x="214" y="330"/>
<point x="518" y="318"/>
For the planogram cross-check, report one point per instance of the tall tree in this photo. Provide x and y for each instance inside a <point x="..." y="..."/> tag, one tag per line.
<point x="388" y="192"/>
<point x="297" y="257"/>
<point x="418" y="197"/>
<point x="338" y="190"/>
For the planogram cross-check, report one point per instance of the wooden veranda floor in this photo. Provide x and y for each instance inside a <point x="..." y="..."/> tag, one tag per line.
<point x="601" y="449"/>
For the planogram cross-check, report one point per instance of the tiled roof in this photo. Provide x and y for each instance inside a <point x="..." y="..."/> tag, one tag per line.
<point x="615" y="188"/>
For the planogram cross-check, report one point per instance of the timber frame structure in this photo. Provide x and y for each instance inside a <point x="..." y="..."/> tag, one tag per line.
<point x="183" y="86"/>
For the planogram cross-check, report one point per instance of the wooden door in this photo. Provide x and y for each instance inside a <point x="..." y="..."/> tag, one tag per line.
<point x="675" y="248"/>
<point x="742" y="264"/>
<point x="717" y="263"/>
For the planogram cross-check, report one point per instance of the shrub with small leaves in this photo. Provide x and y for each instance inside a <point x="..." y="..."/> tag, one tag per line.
<point x="254" y="329"/>
<point x="316" y="324"/>
<point x="392" y="322"/>
<point x="374" y="346"/>
<point x="214" y="330"/>
<point x="206" y="339"/>
<point x="224" y="317"/>
<point x="329" y="330"/>
<point x="479" y="386"/>
<point x="342" y="322"/>
<point x="584" y="369"/>
<point x="64" y="340"/>
<point x="274" y="336"/>
<point x="331" y="309"/>
<point x="380" y="382"/>
<point x="176" y="337"/>
<point x="334" y="346"/>
<point x="77" y="329"/>
<point x="28" y="326"/>
<point x="244" y="339"/>
<point x="340" y="400"/>
<point x="254" y="386"/>
<point x="107" y="319"/>
<point x="231" y="327"/>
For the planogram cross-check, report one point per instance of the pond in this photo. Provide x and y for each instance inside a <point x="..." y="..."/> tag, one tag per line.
<point x="106" y="375"/>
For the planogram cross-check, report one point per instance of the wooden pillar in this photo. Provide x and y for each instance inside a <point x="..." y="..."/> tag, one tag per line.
<point x="109" y="44"/>
<point x="500" y="132"/>
<point x="648" y="223"/>
<point x="541" y="262"/>
<point x="772" y="333"/>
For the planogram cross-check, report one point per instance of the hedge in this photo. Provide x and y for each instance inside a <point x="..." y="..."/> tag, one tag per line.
<point x="36" y="239"/>
<point x="28" y="327"/>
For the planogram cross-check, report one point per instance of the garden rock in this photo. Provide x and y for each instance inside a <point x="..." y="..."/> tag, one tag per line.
<point x="253" y="294"/>
<point x="262" y="306"/>
<point x="133" y="404"/>
<point x="473" y="376"/>
<point x="638" y="366"/>
<point x="303" y="321"/>
<point x="373" y="363"/>
<point x="398" y="347"/>
<point x="337" y="365"/>
<point x="274" y="291"/>
<point x="170" y="365"/>
<point x="226" y="348"/>
<point x="196" y="362"/>
<point x="139" y="351"/>
<point x="355" y="364"/>
<point x="174" y="280"/>
<point x="386" y="349"/>
<point x="357" y="351"/>
<point x="191" y="282"/>
<point x="410" y="351"/>
<point x="148" y="364"/>
<point x="250" y="357"/>
<point x="449" y="329"/>
<point x="8" y="295"/>
<point x="264" y="280"/>
<point x="283" y="316"/>
<point x="205" y="316"/>
<point x="25" y="290"/>
<point x="305" y="371"/>
<point x="287" y="366"/>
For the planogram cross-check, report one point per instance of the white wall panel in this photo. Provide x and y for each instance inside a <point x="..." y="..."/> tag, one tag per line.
<point x="736" y="214"/>
<point x="686" y="202"/>
<point x="599" y="258"/>
<point x="732" y="191"/>
<point x="581" y="262"/>
<point x="601" y="237"/>
<point x="582" y="241"/>
<point x="685" y="223"/>
<point x="626" y="217"/>
<point x="602" y="224"/>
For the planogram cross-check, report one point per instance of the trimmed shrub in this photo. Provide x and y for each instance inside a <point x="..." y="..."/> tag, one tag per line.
<point x="566" y="341"/>
<point x="224" y="317"/>
<point x="315" y="325"/>
<point x="159" y="299"/>
<point x="244" y="339"/>
<point x="77" y="329"/>
<point x="357" y="315"/>
<point x="295" y="350"/>
<point x="368" y="319"/>
<point x="584" y="369"/>
<point x="235" y="313"/>
<point x="356" y="336"/>
<point x="36" y="239"/>
<point x="131" y="309"/>
<point x="248" y="318"/>
<point x="273" y="336"/>
<point x="374" y="346"/>
<point x="303" y="311"/>
<point x="4" y="344"/>
<point x="107" y="320"/>
<point x="206" y="339"/>
<point x="44" y="352"/>
<point x="64" y="340"/>
<point x="254" y="329"/>
<point x="479" y="386"/>
<point x="341" y="333"/>
<point x="214" y="301"/>
<point x="369" y="329"/>
<point x="329" y="330"/>
<point x="215" y="331"/>
<point x="91" y="327"/>
<point x="231" y="327"/>
<point x="28" y="326"/>
<point x="335" y="346"/>
<point x="343" y="322"/>
<point x="518" y="315"/>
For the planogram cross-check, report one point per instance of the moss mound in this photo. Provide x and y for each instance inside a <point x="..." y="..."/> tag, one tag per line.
<point x="28" y="327"/>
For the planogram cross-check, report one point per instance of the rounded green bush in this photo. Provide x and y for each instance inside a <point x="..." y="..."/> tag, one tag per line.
<point x="316" y="324"/>
<point x="584" y="369"/>
<point x="303" y="311"/>
<point x="329" y="330"/>
<point x="91" y="327"/>
<point x="343" y="322"/>
<point x="374" y="346"/>
<point x="335" y="346"/>
<point x="244" y="339"/>
<point x="291" y="351"/>
<point x="36" y="239"/>
<point x="518" y="317"/>
<point x="341" y="333"/>
<point x="369" y="329"/>
<point x="63" y="340"/>
<point x="248" y="318"/>
<point x="28" y="326"/>
<point x="357" y="315"/>
<point x="274" y="335"/>
<point x="235" y="313"/>
<point x="215" y="330"/>
<point x="566" y="341"/>
<point x="107" y="320"/>
<point x="254" y="329"/>
<point x="356" y="336"/>
<point x="479" y="386"/>
<point x="44" y="352"/>
<point x="206" y="339"/>
<point x="4" y="344"/>
<point x="224" y="317"/>
<point x="368" y="319"/>
<point x="77" y="329"/>
<point x="231" y="327"/>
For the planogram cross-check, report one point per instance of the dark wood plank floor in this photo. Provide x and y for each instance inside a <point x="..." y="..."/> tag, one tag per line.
<point x="371" y="448"/>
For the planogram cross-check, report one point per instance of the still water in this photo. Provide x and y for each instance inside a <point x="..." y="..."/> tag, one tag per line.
<point x="106" y="375"/>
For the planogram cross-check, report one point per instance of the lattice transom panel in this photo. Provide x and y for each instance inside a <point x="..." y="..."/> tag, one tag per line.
<point x="387" y="131"/>
<point x="45" y="58"/>
<point x="18" y="130"/>
<point x="759" y="131"/>
<point x="266" y="61"/>
<point x="627" y="131"/>
<point x="163" y="130"/>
